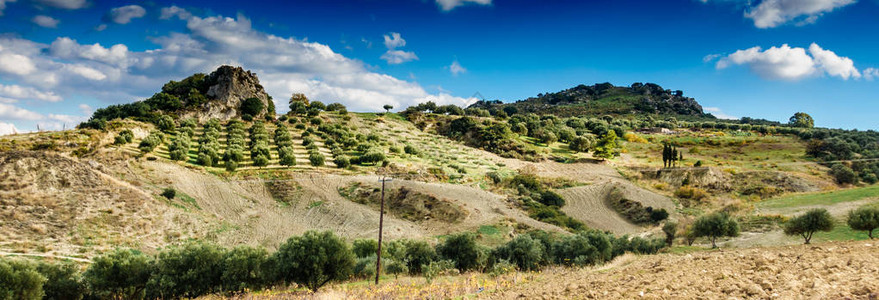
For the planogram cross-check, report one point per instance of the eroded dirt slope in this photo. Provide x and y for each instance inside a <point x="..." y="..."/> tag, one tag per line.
<point x="838" y="270"/>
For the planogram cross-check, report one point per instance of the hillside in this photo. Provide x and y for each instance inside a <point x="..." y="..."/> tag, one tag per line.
<point x="604" y="98"/>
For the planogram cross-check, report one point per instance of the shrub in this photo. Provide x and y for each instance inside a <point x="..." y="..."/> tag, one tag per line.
<point x="807" y="224"/>
<point x="364" y="247"/>
<point x="584" y="248"/>
<point x="189" y="271"/>
<point x="581" y="144"/>
<point x="864" y="218"/>
<point x="523" y="251"/>
<point x="364" y="267"/>
<point x="439" y="268"/>
<point x="373" y="156"/>
<point x="169" y="193"/>
<point x="418" y="254"/>
<point x="692" y="193"/>
<point x="151" y="142"/>
<point x="551" y="198"/>
<point x="342" y="161"/>
<point x="843" y="174"/>
<point x="314" y="259"/>
<point x="62" y="281"/>
<point x="124" y="137"/>
<point x="121" y="274"/>
<point x="252" y="107"/>
<point x="245" y="268"/>
<point x="463" y="250"/>
<point x="260" y="160"/>
<point x="19" y="280"/>
<point x="715" y="225"/>
<point x="411" y="150"/>
<point x="316" y="159"/>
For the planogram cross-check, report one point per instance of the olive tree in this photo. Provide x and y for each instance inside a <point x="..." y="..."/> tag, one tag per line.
<point x="121" y="274"/>
<point x="314" y="259"/>
<point x="807" y="224"/>
<point x="715" y="225"/>
<point x="864" y="218"/>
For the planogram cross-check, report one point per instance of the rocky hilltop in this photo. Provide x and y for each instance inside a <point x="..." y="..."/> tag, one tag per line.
<point x="229" y="87"/>
<point x="605" y="98"/>
<point x="223" y="94"/>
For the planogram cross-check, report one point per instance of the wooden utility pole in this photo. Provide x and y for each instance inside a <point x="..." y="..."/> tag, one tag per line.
<point x="381" y="220"/>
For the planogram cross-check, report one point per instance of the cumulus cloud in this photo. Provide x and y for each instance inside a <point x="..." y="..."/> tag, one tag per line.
<point x="124" y="14"/>
<point x="772" y="13"/>
<point x="456" y="68"/>
<point x="10" y="112"/>
<point x="45" y="21"/>
<point x="393" y="40"/>
<point x="395" y="57"/>
<point x="448" y="5"/>
<point x="174" y="11"/>
<point x="871" y="73"/>
<point x="115" y="74"/>
<point x="65" y="4"/>
<point x="27" y="93"/>
<point x="791" y="63"/>
<point x="7" y="129"/>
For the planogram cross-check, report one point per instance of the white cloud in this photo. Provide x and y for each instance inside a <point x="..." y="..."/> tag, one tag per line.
<point x="85" y="109"/>
<point x="871" y="73"/>
<point x="772" y="13"/>
<point x="65" y="4"/>
<point x="447" y="5"/>
<point x="124" y="14"/>
<point x="834" y="65"/>
<point x="717" y="112"/>
<point x="710" y="57"/>
<point x="791" y="63"/>
<point x="393" y="40"/>
<point x="45" y="21"/>
<point x="174" y="11"/>
<point x="27" y="93"/>
<point x="115" y="74"/>
<point x="10" y="112"/>
<point x="15" y="63"/>
<point x="86" y="72"/>
<point x="7" y="128"/>
<point x="456" y="68"/>
<point x="3" y="5"/>
<point x="395" y="57"/>
<point x="101" y="27"/>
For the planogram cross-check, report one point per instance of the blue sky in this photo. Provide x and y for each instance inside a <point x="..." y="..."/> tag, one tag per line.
<point x="61" y="59"/>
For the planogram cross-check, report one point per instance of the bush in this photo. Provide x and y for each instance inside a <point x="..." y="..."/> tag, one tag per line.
<point x="584" y="248"/>
<point x="715" y="225"/>
<point x="864" y="218"/>
<point x="418" y="254"/>
<point x="189" y="271"/>
<point x="252" y="107"/>
<point x="807" y="224"/>
<point x="523" y="251"/>
<point x="121" y="274"/>
<point x="692" y="193"/>
<point x="364" y="248"/>
<point x="169" y="193"/>
<point x="439" y="268"/>
<point x="551" y="198"/>
<point x="245" y="268"/>
<point x="411" y="150"/>
<point x="364" y="267"/>
<point x="581" y="144"/>
<point x="843" y="174"/>
<point x="373" y="156"/>
<point x="342" y="161"/>
<point x="314" y="259"/>
<point x="124" y="137"/>
<point x="19" y="280"/>
<point x="316" y="159"/>
<point x="670" y="229"/>
<point x="62" y="281"/>
<point x="463" y="250"/>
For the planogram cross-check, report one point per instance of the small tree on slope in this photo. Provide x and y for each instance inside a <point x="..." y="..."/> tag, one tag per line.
<point x="715" y="225"/>
<point x="864" y="218"/>
<point x="807" y="224"/>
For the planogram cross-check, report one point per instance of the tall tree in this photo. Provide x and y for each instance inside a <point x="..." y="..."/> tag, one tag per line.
<point x="607" y="146"/>
<point x="802" y="120"/>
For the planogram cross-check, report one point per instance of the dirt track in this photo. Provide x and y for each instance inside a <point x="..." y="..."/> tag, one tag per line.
<point x="586" y="203"/>
<point x="838" y="270"/>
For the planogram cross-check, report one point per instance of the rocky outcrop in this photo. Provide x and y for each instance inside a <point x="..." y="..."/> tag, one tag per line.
<point x="228" y="87"/>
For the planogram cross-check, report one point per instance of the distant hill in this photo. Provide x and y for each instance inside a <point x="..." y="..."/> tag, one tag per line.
<point x="605" y="98"/>
<point x="227" y="93"/>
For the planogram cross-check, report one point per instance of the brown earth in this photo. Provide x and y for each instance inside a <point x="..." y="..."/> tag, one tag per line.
<point x="836" y="270"/>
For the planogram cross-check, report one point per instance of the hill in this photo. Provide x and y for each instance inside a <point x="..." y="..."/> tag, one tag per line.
<point x="604" y="98"/>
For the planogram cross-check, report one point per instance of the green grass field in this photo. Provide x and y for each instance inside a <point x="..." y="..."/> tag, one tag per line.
<point x="822" y="198"/>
